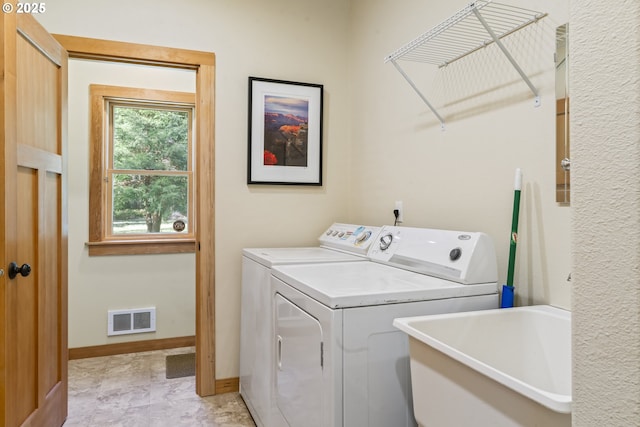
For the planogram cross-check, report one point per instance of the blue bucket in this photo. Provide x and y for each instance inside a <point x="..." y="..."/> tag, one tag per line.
<point x="507" y="296"/>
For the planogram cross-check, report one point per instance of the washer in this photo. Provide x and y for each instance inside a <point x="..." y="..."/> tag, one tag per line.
<point x="339" y="360"/>
<point x="339" y="243"/>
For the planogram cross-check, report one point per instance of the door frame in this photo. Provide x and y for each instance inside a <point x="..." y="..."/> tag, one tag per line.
<point x="203" y="63"/>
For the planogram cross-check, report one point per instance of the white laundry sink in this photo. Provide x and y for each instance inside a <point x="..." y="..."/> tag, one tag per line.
<point x="504" y="367"/>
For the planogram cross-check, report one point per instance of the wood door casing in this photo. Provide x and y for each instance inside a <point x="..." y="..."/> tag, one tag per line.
<point x="33" y="352"/>
<point x="204" y="65"/>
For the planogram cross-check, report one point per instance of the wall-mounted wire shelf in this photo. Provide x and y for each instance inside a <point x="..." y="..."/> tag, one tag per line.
<point x="478" y="25"/>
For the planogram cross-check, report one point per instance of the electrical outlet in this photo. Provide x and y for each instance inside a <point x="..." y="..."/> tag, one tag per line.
<point x="400" y="210"/>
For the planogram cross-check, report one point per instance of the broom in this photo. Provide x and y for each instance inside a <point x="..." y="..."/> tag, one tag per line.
<point x="508" y="289"/>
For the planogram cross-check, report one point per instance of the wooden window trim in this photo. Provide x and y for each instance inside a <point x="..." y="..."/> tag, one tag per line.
<point x="99" y="243"/>
<point x="137" y="247"/>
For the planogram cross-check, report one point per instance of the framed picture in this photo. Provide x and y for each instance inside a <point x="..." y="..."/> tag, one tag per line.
<point x="285" y="132"/>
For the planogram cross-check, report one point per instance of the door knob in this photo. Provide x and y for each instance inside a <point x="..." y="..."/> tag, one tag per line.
<point x="24" y="270"/>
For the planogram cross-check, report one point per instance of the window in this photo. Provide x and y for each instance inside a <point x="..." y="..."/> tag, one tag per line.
<point x="142" y="177"/>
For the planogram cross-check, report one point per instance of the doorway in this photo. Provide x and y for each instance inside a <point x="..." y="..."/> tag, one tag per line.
<point x="202" y="66"/>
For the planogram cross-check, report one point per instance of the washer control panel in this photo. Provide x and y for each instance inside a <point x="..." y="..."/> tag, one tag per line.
<point x="349" y="237"/>
<point x="464" y="257"/>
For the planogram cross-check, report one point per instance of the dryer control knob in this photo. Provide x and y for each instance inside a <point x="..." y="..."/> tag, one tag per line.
<point x="455" y="254"/>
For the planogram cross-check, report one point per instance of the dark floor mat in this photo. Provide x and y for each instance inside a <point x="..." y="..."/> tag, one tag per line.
<point x="181" y="365"/>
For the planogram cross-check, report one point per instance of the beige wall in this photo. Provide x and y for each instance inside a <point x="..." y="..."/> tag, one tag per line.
<point x="99" y="284"/>
<point x="302" y="40"/>
<point x="605" y="130"/>
<point x="382" y="145"/>
<point x="462" y="177"/>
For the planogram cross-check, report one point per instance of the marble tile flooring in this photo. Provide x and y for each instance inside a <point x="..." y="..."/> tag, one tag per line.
<point x="130" y="390"/>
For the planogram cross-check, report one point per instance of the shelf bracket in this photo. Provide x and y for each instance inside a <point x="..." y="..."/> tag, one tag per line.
<point x="504" y="50"/>
<point x="415" y="88"/>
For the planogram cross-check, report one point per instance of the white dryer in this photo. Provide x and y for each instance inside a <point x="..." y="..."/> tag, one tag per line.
<point x="339" y="360"/>
<point x="339" y="243"/>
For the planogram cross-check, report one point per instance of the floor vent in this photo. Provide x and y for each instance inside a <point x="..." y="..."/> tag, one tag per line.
<point x="132" y="321"/>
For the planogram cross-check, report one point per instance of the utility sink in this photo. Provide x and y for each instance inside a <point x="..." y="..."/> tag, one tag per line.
<point x="503" y="367"/>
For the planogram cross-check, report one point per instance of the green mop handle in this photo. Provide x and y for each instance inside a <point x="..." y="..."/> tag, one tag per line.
<point x="514" y="227"/>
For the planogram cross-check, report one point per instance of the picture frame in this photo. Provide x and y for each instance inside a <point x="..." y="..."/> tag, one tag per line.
<point x="285" y="132"/>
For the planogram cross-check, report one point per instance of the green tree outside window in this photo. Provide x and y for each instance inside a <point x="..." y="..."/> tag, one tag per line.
<point x="150" y="169"/>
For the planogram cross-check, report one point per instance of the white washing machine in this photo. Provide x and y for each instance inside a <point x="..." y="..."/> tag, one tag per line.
<point x="339" y="243"/>
<point x="339" y="360"/>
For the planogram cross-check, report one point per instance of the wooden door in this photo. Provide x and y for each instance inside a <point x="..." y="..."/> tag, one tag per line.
<point x="33" y="230"/>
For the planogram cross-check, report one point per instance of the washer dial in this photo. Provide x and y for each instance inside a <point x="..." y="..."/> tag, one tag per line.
<point x="385" y="241"/>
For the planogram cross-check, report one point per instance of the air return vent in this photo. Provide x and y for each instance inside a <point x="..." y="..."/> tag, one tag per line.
<point x="132" y="321"/>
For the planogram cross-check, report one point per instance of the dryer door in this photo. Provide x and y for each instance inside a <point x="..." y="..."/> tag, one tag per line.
<point x="298" y="364"/>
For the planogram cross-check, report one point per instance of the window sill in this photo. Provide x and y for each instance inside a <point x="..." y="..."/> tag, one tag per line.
<point x="141" y="247"/>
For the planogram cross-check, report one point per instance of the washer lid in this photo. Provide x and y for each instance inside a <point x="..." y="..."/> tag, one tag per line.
<point x="276" y="256"/>
<point x="341" y="285"/>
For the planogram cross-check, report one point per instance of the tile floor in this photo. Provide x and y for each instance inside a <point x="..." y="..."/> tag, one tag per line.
<point x="130" y="390"/>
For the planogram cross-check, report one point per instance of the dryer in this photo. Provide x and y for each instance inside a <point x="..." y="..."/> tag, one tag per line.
<point x="339" y="243"/>
<point x="339" y="361"/>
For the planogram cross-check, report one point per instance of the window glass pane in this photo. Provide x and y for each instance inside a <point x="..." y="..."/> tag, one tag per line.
<point x="150" y="204"/>
<point x="150" y="139"/>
